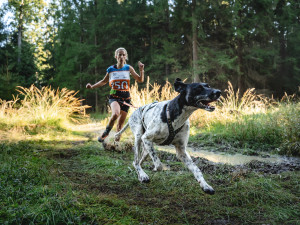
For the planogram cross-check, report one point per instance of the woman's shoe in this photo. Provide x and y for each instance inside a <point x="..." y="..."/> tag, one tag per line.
<point x="105" y="134"/>
<point x="101" y="139"/>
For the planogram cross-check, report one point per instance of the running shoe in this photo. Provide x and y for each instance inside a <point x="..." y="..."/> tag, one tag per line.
<point x="105" y="134"/>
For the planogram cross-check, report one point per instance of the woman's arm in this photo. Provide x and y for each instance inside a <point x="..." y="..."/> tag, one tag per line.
<point x="100" y="83"/>
<point x="138" y="78"/>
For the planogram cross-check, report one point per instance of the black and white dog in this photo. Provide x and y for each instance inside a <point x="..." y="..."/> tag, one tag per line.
<point x="166" y="123"/>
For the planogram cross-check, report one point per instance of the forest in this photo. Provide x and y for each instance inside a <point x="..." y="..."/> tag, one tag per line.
<point x="68" y="43"/>
<point x="53" y="170"/>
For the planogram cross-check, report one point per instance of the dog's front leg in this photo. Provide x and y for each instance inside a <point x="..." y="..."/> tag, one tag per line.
<point x="148" y="145"/>
<point x="142" y="176"/>
<point x="186" y="159"/>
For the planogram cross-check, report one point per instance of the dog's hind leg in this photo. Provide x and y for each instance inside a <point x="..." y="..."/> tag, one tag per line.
<point x="143" y="155"/>
<point x="148" y="145"/>
<point x="186" y="159"/>
<point x="118" y="135"/>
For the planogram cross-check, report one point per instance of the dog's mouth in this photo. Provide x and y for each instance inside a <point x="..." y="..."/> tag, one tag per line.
<point x="205" y="105"/>
<point x="203" y="101"/>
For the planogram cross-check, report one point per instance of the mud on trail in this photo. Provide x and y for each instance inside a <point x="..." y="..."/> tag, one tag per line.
<point x="263" y="164"/>
<point x="209" y="159"/>
<point x="209" y="167"/>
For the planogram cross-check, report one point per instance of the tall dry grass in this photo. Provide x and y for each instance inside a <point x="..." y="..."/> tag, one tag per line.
<point x="232" y="106"/>
<point x="228" y="108"/>
<point x="45" y="106"/>
<point x="151" y="93"/>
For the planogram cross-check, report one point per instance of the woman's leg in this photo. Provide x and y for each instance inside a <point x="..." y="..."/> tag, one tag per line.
<point x="115" y="113"/>
<point x="121" y="121"/>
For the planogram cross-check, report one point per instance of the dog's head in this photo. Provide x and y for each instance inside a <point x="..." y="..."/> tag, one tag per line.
<point x="198" y="94"/>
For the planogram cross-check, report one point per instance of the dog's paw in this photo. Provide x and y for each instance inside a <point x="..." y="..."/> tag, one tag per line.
<point x="159" y="167"/>
<point x="208" y="190"/>
<point x="144" y="179"/>
<point x="117" y="137"/>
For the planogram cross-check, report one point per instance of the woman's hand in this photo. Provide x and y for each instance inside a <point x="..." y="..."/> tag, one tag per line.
<point x="89" y="86"/>
<point x="141" y="66"/>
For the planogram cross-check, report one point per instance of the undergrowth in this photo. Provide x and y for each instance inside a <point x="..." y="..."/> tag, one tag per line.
<point x="49" y="182"/>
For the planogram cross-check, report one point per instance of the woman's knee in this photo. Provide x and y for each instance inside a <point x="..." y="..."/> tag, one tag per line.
<point x="115" y="115"/>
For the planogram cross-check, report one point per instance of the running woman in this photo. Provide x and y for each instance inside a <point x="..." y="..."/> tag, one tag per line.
<point x="118" y="76"/>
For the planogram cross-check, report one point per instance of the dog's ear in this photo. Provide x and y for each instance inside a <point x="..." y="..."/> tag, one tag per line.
<point x="179" y="85"/>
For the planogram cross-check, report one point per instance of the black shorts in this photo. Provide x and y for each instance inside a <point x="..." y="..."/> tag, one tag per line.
<point x="121" y="101"/>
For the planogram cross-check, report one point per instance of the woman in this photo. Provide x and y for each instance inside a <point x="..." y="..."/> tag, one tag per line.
<point x="118" y="77"/>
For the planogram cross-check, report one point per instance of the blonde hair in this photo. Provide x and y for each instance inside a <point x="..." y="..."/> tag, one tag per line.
<point x="119" y="49"/>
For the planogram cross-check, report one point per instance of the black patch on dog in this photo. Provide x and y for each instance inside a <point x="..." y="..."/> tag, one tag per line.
<point x="175" y="108"/>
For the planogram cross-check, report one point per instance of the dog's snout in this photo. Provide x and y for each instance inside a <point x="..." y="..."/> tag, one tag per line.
<point x="218" y="93"/>
<point x="215" y="94"/>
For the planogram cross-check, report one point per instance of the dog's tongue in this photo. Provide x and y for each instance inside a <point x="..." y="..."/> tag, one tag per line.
<point x="209" y="107"/>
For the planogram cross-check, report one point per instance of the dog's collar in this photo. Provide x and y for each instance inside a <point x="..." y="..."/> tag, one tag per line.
<point x="172" y="132"/>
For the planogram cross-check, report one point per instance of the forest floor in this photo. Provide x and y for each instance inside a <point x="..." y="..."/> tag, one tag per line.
<point x="68" y="177"/>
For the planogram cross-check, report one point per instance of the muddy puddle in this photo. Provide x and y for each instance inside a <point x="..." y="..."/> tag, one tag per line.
<point x="221" y="157"/>
<point x="210" y="161"/>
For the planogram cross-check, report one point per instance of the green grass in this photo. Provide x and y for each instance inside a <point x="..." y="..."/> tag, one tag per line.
<point x="278" y="128"/>
<point x="51" y="182"/>
<point x="98" y="116"/>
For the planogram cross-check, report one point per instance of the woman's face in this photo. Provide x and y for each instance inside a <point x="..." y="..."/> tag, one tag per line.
<point x="121" y="56"/>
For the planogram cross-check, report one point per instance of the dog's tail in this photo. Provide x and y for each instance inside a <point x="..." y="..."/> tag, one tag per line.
<point x="118" y="135"/>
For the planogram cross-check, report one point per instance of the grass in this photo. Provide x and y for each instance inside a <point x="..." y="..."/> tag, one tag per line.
<point x="263" y="124"/>
<point x="50" y="182"/>
<point x="36" y="108"/>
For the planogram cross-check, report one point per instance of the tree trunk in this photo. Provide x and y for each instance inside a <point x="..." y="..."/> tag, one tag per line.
<point x="241" y="75"/>
<point x="20" y="31"/>
<point x="194" y="43"/>
<point x="241" y="71"/>
<point x="81" y="41"/>
<point x="282" y="70"/>
<point x="96" y="80"/>
<point x="167" y="30"/>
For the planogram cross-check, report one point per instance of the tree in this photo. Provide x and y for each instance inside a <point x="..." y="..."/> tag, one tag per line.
<point x="195" y="42"/>
<point x="287" y="25"/>
<point x="25" y="11"/>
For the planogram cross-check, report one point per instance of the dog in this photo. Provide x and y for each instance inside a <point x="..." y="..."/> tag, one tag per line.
<point x="166" y="123"/>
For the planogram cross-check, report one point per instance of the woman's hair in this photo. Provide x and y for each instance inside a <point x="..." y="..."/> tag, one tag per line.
<point x="119" y="49"/>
